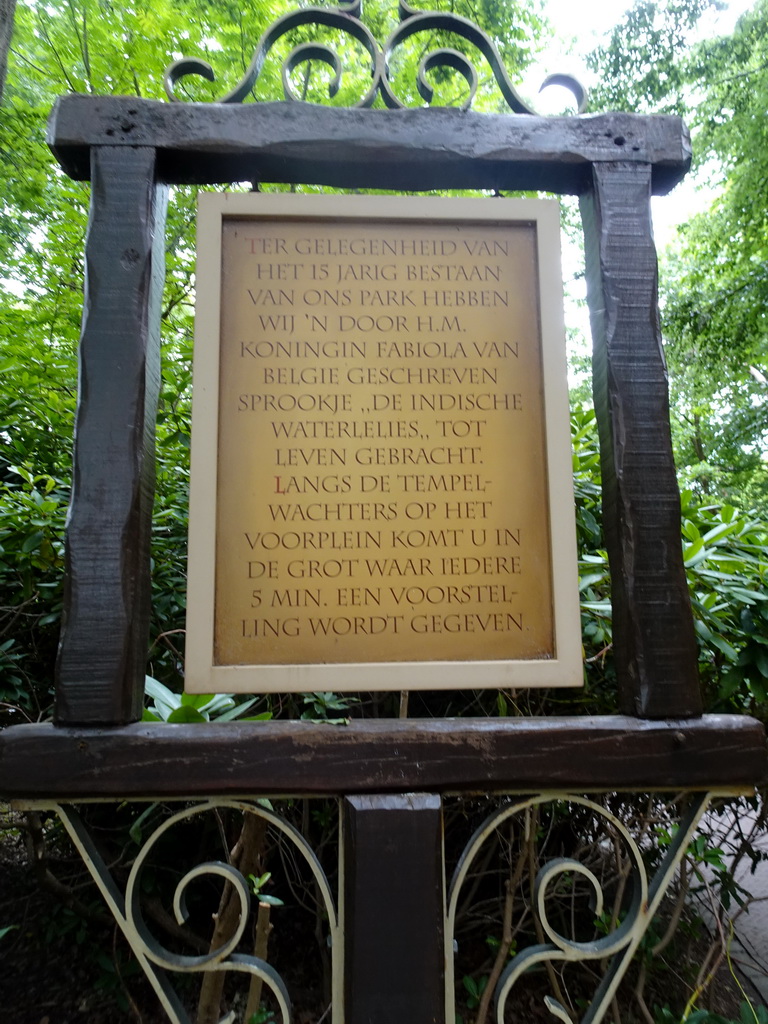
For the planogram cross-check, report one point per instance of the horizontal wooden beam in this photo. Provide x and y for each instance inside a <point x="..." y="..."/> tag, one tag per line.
<point x="415" y="150"/>
<point x="461" y="755"/>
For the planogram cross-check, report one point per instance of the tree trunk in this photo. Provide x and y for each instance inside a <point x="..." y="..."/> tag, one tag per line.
<point x="246" y="857"/>
<point x="7" y="11"/>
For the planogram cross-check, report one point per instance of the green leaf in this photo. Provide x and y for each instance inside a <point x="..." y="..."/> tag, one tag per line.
<point x="135" y="831"/>
<point x="761" y="660"/>
<point x="590" y="579"/>
<point x="724" y="647"/>
<point x="165" y="699"/>
<point x="196" y="700"/>
<point x="601" y="607"/>
<point x="694" y="553"/>
<point x="32" y="542"/>
<point x="217" y="706"/>
<point x="691" y="531"/>
<point x="238" y="710"/>
<point x="186" y="714"/>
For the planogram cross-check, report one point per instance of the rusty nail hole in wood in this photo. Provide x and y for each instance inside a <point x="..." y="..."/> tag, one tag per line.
<point x="129" y="259"/>
<point x="110" y="131"/>
<point x="619" y="140"/>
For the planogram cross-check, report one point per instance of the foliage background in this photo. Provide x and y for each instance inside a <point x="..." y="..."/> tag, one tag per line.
<point x="714" y="296"/>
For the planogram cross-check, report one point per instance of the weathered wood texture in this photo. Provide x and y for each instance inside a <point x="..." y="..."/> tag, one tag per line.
<point x="393" y="910"/>
<point x="656" y="656"/>
<point x="200" y="143"/>
<point x="463" y="755"/>
<point x="103" y="647"/>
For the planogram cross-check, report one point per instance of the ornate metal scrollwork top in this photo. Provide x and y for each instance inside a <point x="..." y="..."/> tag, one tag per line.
<point x="346" y="19"/>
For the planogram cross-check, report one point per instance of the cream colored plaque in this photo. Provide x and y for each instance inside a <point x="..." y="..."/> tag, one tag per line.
<point x="381" y="469"/>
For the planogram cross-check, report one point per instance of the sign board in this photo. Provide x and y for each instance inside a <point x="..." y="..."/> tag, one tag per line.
<point x="381" y="493"/>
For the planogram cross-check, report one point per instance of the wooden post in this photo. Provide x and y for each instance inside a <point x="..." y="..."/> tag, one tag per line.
<point x="103" y="647"/>
<point x="654" y="638"/>
<point x="393" y="910"/>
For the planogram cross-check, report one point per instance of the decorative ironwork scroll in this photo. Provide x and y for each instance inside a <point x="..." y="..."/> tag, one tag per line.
<point x="618" y="945"/>
<point x="154" y="958"/>
<point x="346" y="19"/>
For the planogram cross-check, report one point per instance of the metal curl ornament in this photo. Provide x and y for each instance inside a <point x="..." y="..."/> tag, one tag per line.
<point x="153" y="957"/>
<point x="337" y="19"/>
<point x="431" y="21"/>
<point x="346" y="19"/>
<point x="311" y="51"/>
<point x="619" y="945"/>
<point x="441" y="59"/>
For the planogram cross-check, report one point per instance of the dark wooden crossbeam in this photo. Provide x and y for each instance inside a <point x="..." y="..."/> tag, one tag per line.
<point x="413" y="150"/>
<point x="447" y="756"/>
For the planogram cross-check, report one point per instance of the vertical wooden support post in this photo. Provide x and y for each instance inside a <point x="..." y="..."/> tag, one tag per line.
<point x="393" y="910"/>
<point x="653" y="627"/>
<point x="103" y="646"/>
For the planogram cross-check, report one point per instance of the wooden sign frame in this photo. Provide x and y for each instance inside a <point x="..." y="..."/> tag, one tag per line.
<point x="225" y="501"/>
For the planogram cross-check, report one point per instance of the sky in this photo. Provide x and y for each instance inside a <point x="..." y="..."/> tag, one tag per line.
<point x="579" y="27"/>
<point x="586" y="20"/>
<point x="584" y="23"/>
